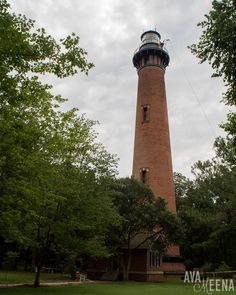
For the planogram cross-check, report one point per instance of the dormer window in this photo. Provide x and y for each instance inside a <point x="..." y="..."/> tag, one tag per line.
<point x="146" y="113"/>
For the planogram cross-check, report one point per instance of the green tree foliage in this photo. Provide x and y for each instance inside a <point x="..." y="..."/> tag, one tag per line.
<point x="144" y="221"/>
<point x="217" y="46"/>
<point x="207" y="206"/>
<point x="207" y="209"/>
<point x="54" y="176"/>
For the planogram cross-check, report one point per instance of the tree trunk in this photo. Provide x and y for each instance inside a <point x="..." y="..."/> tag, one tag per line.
<point x="73" y="272"/>
<point x="37" y="266"/>
<point x="123" y="266"/>
<point x="126" y="268"/>
<point x="125" y="274"/>
<point x="37" y="276"/>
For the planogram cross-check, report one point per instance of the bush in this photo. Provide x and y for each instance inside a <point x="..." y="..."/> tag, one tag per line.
<point x="208" y="267"/>
<point x="223" y="267"/>
<point x="10" y="260"/>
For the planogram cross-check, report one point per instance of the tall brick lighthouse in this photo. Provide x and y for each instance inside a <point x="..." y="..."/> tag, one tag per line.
<point x="152" y="162"/>
<point x="151" y="165"/>
<point x="152" y="153"/>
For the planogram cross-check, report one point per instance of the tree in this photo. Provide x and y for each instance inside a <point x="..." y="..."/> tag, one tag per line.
<point x="220" y="180"/>
<point x="54" y="175"/>
<point x="182" y="187"/>
<point x="212" y="194"/>
<point x="144" y="218"/>
<point x="207" y="211"/>
<point x="217" y="46"/>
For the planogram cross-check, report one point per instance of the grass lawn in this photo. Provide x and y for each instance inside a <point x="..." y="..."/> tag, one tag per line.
<point x="162" y="288"/>
<point x="27" y="277"/>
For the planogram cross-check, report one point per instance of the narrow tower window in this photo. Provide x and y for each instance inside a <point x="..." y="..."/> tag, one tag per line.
<point x="146" y="112"/>
<point x="144" y="175"/>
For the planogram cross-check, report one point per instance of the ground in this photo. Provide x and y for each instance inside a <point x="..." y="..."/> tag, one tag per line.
<point x="164" y="288"/>
<point x="27" y="277"/>
<point x="99" y="288"/>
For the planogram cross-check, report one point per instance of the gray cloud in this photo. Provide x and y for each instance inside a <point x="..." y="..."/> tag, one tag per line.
<point x="110" y="32"/>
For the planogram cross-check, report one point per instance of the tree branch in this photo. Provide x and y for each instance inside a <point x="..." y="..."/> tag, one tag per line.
<point x="152" y="236"/>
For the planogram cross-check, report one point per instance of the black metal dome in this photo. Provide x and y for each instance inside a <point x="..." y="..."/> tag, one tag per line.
<point x="151" y="45"/>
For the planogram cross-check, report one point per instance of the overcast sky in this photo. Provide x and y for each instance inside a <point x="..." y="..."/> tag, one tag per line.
<point x="110" y="32"/>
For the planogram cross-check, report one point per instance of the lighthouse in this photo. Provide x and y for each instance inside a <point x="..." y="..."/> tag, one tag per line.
<point x="152" y="163"/>
<point x="152" y="152"/>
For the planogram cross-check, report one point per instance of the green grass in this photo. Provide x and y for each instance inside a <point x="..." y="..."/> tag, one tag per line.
<point x="162" y="288"/>
<point x="25" y="277"/>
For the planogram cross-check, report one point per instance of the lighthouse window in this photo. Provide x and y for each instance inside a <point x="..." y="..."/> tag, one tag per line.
<point x="145" y="61"/>
<point x="144" y="175"/>
<point x="154" y="259"/>
<point x="146" y="113"/>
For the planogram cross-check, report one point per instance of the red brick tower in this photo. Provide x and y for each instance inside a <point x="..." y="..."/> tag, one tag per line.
<point x="152" y="153"/>
<point x="152" y="162"/>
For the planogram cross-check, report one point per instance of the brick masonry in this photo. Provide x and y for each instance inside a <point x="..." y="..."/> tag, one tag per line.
<point x="152" y="141"/>
<point x="152" y="148"/>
